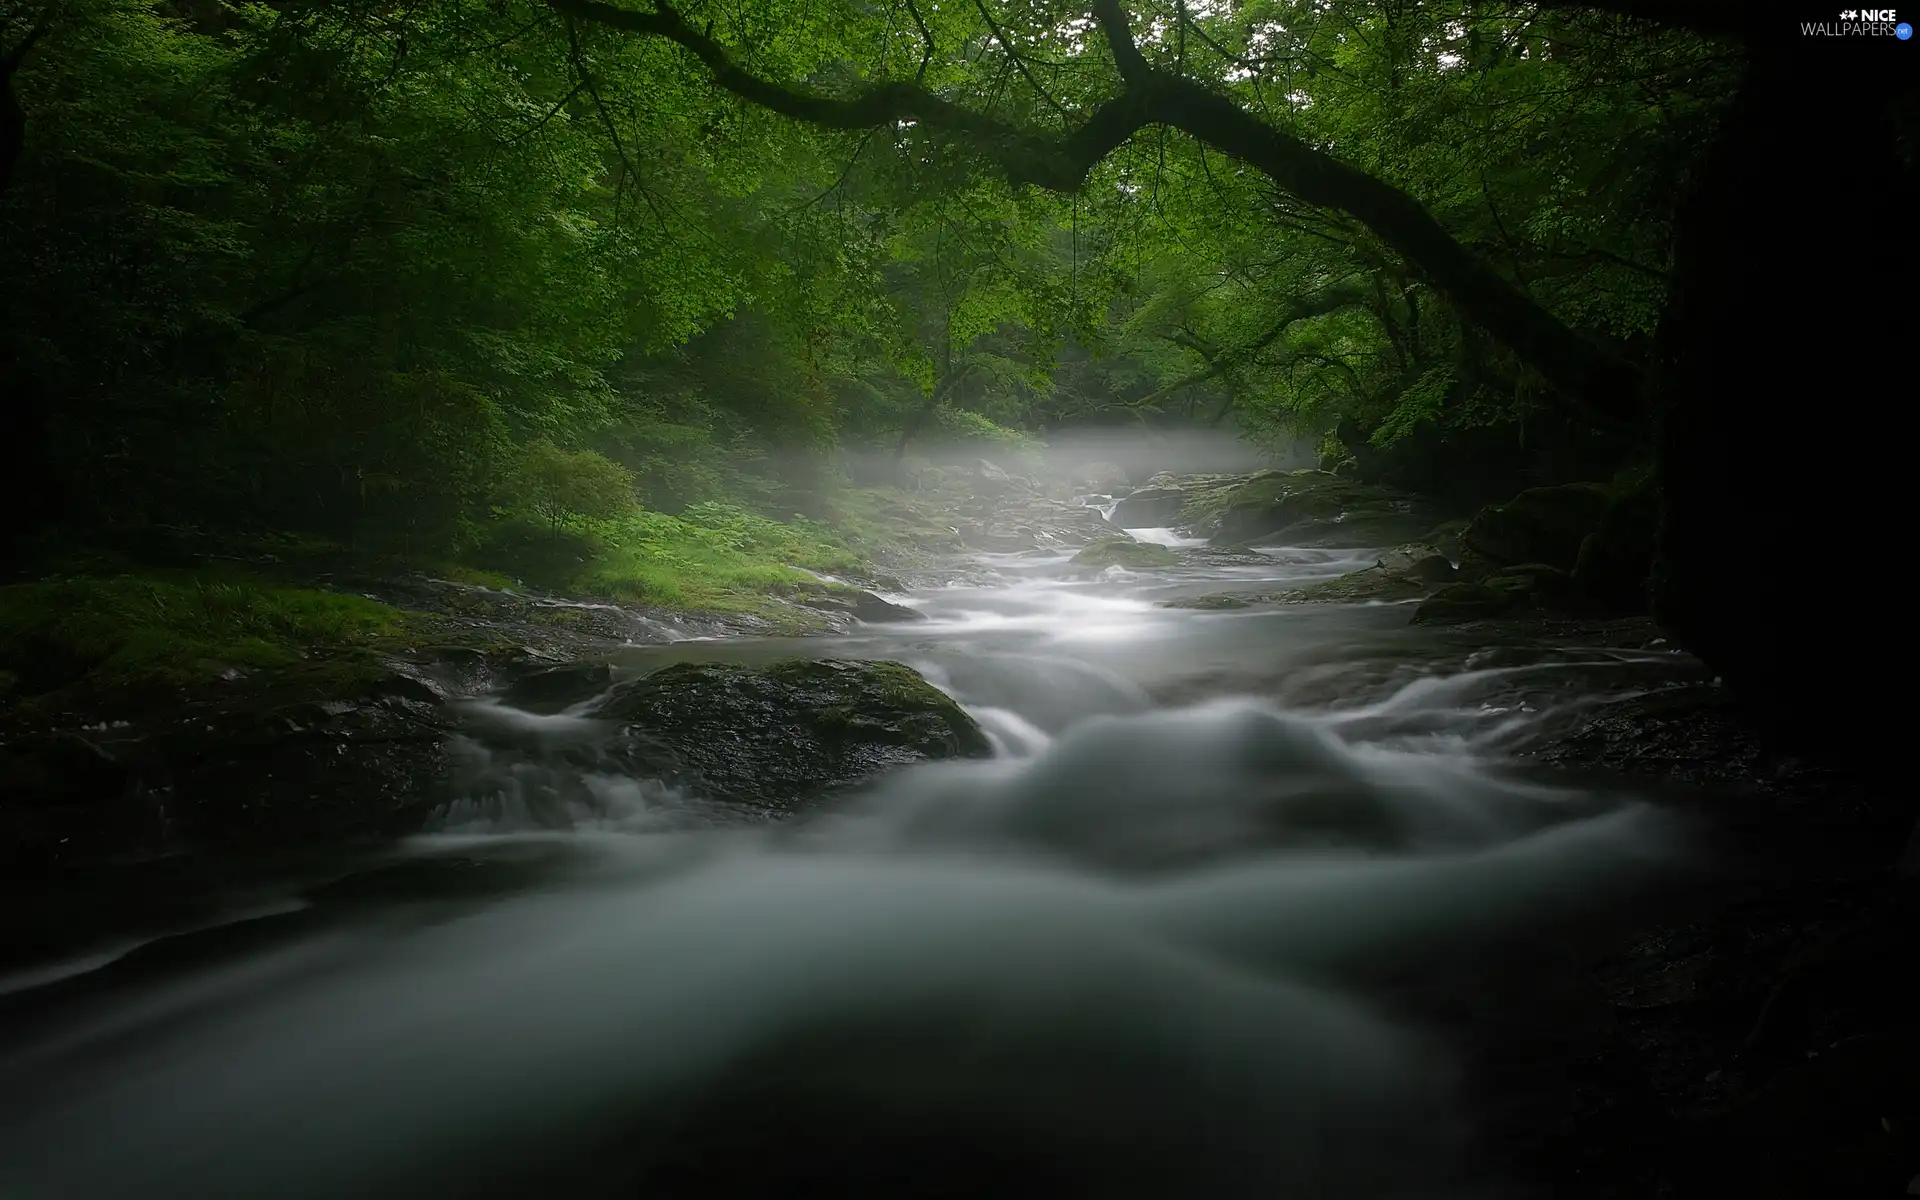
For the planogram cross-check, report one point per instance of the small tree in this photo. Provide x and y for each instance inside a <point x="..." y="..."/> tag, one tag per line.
<point x="556" y="484"/>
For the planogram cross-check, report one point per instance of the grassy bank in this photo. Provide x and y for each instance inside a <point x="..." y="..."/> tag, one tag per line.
<point x="137" y="631"/>
<point x="176" y="608"/>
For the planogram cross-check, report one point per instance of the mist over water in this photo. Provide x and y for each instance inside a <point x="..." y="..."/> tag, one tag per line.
<point x="1139" y="953"/>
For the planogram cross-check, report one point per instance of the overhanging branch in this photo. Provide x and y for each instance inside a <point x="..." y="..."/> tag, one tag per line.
<point x="1054" y="163"/>
<point x="1602" y="386"/>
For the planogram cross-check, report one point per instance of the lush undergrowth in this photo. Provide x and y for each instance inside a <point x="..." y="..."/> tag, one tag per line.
<point x="136" y="630"/>
<point x="186" y="607"/>
<point x="713" y="557"/>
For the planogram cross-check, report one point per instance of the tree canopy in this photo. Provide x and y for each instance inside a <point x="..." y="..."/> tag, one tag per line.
<point x="369" y="267"/>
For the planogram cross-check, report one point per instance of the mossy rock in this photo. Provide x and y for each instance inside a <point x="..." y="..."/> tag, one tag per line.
<point x="1534" y="584"/>
<point x="326" y="752"/>
<point x="1316" y="508"/>
<point x="1150" y="508"/>
<point x="1127" y="553"/>
<point x="1540" y="525"/>
<point x="776" y="736"/>
<point x="1215" y="602"/>
<point x="557" y="688"/>
<point x="1460" y="602"/>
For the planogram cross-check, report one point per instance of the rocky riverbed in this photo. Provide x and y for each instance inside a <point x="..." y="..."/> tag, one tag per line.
<point x="1746" y="1027"/>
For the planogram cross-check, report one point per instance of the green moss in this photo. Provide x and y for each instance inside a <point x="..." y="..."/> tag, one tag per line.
<point x="135" y="630"/>
<point x="711" y="558"/>
<point x="1125" y="552"/>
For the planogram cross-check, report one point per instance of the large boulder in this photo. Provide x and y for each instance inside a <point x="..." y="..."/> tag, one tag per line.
<point x="776" y="736"/>
<point x="1149" y="508"/>
<point x="862" y="606"/>
<point x="554" y="689"/>
<point x="1540" y="525"/>
<point x="1315" y="508"/>
<point x="1458" y="602"/>
<point x="1525" y="588"/>
<point x="1126" y="553"/>
<point x="333" y="753"/>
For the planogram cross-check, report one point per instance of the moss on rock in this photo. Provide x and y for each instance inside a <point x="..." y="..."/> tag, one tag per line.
<point x="1125" y="552"/>
<point x="1540" y="525"/>
<point x="775" y="736"/>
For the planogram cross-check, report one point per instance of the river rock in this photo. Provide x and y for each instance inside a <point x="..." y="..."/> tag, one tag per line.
<point x="1315" y="508"/>
<point x="776" y="736"/>
<point x="1418" y="561"/>
<point x="1459" y="602"/>
<point x="1127" y="553"/>
<point x="864" y="607"/>
<point x="556" y="688"/>
<point x="1540" y="525"/>
<point x="335" y="752"/>
<point x="1150" y="508"/>
<point x="1535" y="585"/>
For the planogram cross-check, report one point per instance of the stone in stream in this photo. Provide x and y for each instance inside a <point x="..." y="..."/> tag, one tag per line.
<point x="1318" y="509"/>
<point x="1540" y="525"/>
<point x="864" y="607"/>
<point x="1127" y="553"/>
<point x="332" y="752"/>
<point x="557" y="688"/>
<point x="1461" y="602"/>
<point x="776" y="736"/>
<point x="1150" y="508"/>
<point x="1524" y="588"/>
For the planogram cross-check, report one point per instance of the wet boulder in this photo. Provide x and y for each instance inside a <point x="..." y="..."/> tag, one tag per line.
<point x="1539" y="585"/>
<point x="1461" y="602"/>
<point x="555" y="689"/>
<point x="1318" y="509"/>
<point x="1420" y="562"/>
<point x="776" y="736"/>
<point x="990" y="479"/>
<point x="1540" y="525"/>
<point x="1149" y="508"/>
<point x="864" y="607"/>
<point x="1125" y="553"/>
<point x="332" y="753"/>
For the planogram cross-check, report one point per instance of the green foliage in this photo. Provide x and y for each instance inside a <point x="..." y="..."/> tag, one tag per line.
<point x="558" y="485"/>
<point x="437" y="279"/>
<point x="138" y="630"/>
<point x="714" y="557"/>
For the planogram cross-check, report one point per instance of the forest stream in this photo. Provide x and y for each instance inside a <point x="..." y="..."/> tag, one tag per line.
<point x="1232" y="910"/>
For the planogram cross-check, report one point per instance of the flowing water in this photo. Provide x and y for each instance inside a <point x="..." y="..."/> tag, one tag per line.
<point x="1159" y="945"/>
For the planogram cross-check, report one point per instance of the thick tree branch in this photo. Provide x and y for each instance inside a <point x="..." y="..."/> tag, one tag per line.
<point x="1127" y="58"/>
<point x="1057" y="164"/>
<point x="1219" y="362"/>
<point x="1602" y="386"/>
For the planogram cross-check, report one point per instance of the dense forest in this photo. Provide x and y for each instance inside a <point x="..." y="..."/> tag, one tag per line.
<point x="1451" y="438"/>
<point x="426" y="276"/>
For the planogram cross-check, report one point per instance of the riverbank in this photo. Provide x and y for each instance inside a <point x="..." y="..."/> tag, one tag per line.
<point x="1634" y="1078"/>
